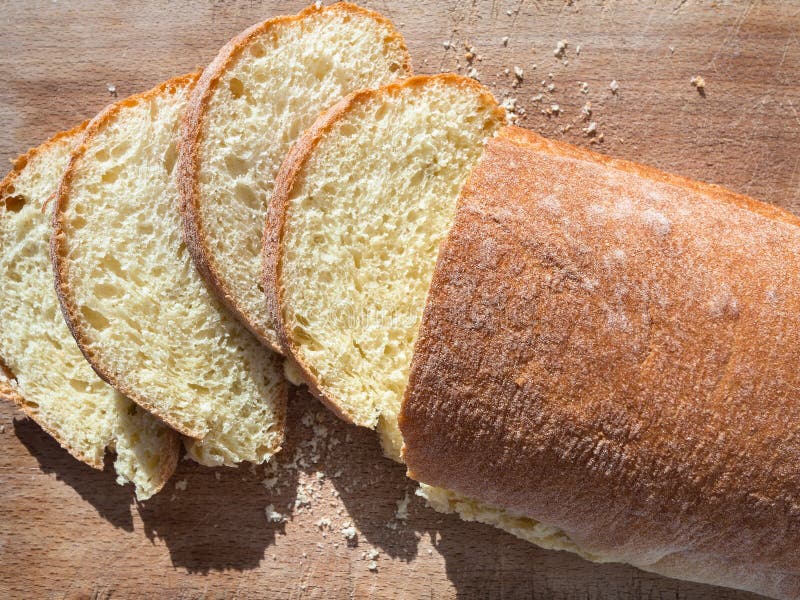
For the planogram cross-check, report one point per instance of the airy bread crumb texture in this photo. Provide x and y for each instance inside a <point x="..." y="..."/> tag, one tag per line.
<point x="136" y="303"/>
<point x="267" y="95"/>
<point x="530" y="530"/>
<point x="48" y="376"/>
<point x="365" y="218"/>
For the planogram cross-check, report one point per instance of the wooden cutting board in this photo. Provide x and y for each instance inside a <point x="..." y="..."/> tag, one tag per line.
<point x="69" y="532"/>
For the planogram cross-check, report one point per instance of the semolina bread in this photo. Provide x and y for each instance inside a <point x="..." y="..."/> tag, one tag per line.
<point x="264" y="88"/>
<point x="137" y="307"/>
<point x="41" y="368"/>
<point x="612" y="351"/>
<point x="360" y="206"/>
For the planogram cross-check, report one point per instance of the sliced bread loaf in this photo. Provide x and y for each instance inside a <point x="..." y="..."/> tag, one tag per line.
<point x="135" y="303"/>
<point x="42" y="369"/>
<point x="264" y="88"/>
<point x="361" y="204"/>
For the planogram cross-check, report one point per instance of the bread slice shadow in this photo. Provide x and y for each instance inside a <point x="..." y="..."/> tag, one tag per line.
<point x="98" y="488"/>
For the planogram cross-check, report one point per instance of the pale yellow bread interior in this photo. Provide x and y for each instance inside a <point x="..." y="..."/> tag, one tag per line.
<point x="134" y="300"/>
<point x="256" y="98"/>
<point x="45" y="373"/>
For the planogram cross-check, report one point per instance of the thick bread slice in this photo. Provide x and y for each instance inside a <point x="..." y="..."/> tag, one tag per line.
<point x="613" y="351"/>
<point x="41" y="368"/>
<point x="134" y="301"/>
<point x="264" y="88"/>
<point x="361" y="204"/>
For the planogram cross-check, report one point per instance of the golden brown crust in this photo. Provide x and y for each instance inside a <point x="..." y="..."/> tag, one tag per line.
<point x="7" y="392"/>
<point x="613" y="351"/>
<point x="191" y="138"/>
<point x="58" y="251"/>
<point x="291" y="168"/>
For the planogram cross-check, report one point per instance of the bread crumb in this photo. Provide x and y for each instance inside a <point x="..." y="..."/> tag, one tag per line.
<point x="586" y="111"/>
<point x="578" y="49"/>
<point x="324" y="523"/>
<point x="551" y="87"/>
<point x="2" y="428"/>
<point x="505" y="41"/>
<point x="349" y="532"/>
<point x="473" y="74"/>
<point x="698" y="82"/>
<point x="112" y="89"/>
<point x="402" y="508"/>
<point x="590" y="129"/>
<point x="555" y="109"/>
<point x="513" y="110"/>
<point x="217" y="475"/>
<point x="373" y="554"/>
<point x="181" y="485"/>
<point x="446" y="45"/>
<point x="561" y="48"/>
<point x="518" y="73"/>
<point x="584" y="87"/>
<point x="274" y="516"/>
<point x="613" y="86"/>
<point x="372" y="566"/>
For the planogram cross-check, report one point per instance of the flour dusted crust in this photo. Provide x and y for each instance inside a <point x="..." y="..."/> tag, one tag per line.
<point x="194" y="119"/>
<point x="613" y="352"/>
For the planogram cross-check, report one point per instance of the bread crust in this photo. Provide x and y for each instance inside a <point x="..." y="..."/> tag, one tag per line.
<point x="192" y="138"/>
<point x="61" y="265"/>
<point x="7" y="392"/>
<point x="628" y="377"/>
<point x="291" y="169"/>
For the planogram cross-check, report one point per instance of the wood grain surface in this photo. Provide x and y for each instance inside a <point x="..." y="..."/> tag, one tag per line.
<point x="67" y="531"/>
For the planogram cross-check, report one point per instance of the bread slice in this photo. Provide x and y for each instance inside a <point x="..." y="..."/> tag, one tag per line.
<point x="135" y="303"/>
<point x="41" y="369"/>
<point x="360" y="207"/>
<point x="264" y="88"/>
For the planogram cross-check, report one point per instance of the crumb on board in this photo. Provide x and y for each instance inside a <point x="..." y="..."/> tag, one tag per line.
<point x="590" y="129"/>
<point x="472" y="73"/>
<point x="112" y="89"/>
<point x="518" y="73"/>
<point x="505" y="41"/>
<point x="181" y="485"/>
<point x="613" y="86"/>
<point x="699" y="82"/>
<point x="561" y="48"/>
<point x="586" y="111"/>
<point x="513" y="110"/>
<point x="274" y="516"/>
<point x="446" y="45"/>
<point x="402" y="508"/>
<point x="372" y="566"/>
<point x="349" y="532"/>
<point x="584" y="87"/>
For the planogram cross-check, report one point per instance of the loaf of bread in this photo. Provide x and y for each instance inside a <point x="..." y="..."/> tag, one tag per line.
<point x="360" y="206"/>
<point x="264" y="88"/>
<point x="41" y="368"/>
<point x="137" y="307"/>
<point x="612" y="352"/>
